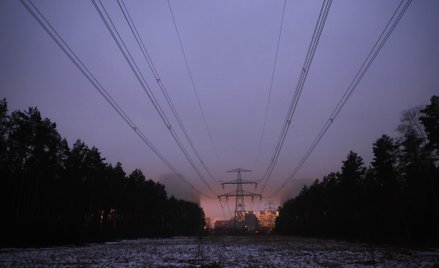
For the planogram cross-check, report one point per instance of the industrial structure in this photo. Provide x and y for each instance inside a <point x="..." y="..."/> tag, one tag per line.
<point x="267" y="217"/>
<point x="239" y="194"/>
<point x="254" y="222"/>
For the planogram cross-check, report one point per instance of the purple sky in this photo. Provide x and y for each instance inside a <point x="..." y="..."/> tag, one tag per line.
<point x="230" y="47"/>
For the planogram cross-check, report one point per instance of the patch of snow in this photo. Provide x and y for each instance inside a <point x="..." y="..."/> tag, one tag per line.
<point x="258" y="251"/>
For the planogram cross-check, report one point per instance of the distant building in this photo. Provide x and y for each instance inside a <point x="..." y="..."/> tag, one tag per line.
<point x="207" y="224"/>
<point x="223" y="226"/>
<point x="267" y="219"/>
<point x="252" y="222"/>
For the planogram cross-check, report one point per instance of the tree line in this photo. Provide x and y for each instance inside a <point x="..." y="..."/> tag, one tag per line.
<point x="394" y="199"/>
<point x="53" y="194"/>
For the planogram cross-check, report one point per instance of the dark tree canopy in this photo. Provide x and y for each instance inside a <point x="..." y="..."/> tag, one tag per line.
<point x="430" y="120"/>
<point x="384" y="163"/>
<point x="51" y="193"/>
<point x="395" y="199"/>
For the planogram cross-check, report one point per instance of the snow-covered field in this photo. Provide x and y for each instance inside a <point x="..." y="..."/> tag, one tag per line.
<point x="227" y="251"/>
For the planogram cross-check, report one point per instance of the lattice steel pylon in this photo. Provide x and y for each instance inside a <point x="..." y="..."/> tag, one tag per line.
<point x="239" y="194"/>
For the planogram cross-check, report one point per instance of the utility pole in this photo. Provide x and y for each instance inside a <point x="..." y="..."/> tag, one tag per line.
<point x="239" y="194"/>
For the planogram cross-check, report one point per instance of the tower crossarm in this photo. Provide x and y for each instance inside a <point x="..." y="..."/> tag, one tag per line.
<point x="239" y="182"/>
<point x="244" y="194"/>
<point x="238" y="170"/>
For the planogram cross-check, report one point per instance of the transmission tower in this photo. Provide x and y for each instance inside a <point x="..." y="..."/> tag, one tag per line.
<point x="270" y="206"/>
<point x="239" y="194"/>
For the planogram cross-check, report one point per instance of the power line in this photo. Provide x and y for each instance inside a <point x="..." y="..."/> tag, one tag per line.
<point x="271" y="81"/>
<point x="41" y="19"/>
<point x="326" y="5"/>
<point x="382" y="39"/>
<point x="203" y="115"/>
<point x="131" y="62"/>
<point x="222" y="208"/>
<point x="159" y="81"/>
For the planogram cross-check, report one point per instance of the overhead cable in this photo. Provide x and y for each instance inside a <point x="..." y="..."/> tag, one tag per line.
<point x="133" y="65"/>
<point x="41" y="19"/>
<point x="326" y="5"/>
<point x="159" y="82"/>
<point x="380" y="42"/>
<point x="203" y="115"/>
<point x="261" y="137"/>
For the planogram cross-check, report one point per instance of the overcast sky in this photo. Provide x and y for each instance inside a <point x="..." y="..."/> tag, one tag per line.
<point x="230" y="48"/>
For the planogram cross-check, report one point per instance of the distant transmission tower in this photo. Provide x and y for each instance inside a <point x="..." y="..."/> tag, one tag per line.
<point x="270" y="206"/>
<point x="239" y="194"/>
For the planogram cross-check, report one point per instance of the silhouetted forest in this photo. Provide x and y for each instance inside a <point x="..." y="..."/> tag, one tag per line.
<point x="53" y="194"/>
<point x="395" y="199"/>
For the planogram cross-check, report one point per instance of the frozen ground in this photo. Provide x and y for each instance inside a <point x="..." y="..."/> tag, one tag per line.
<point x="259" y="251"/>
